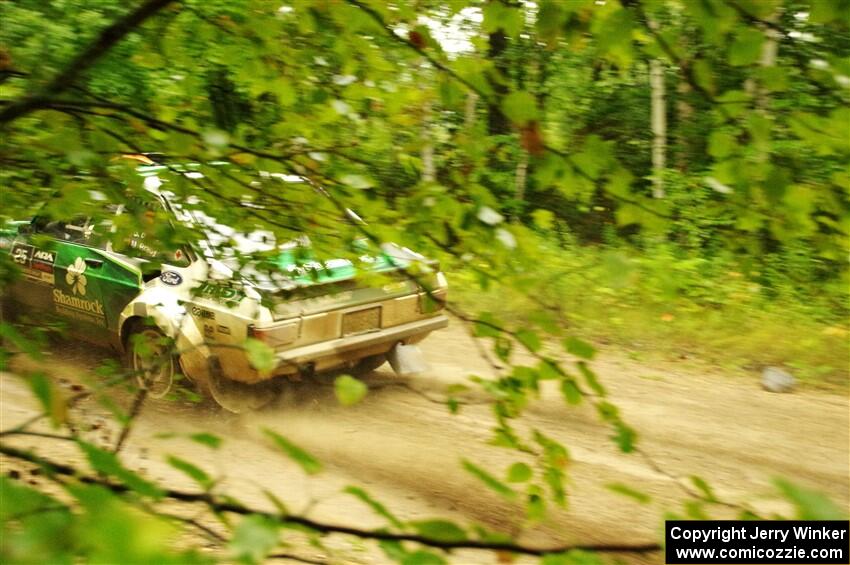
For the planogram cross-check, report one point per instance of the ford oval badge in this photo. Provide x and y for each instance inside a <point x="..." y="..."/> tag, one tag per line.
<point x="171" y="278"/>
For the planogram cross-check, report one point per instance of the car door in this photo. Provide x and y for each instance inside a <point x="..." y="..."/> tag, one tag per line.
<point x="92" y="286"/>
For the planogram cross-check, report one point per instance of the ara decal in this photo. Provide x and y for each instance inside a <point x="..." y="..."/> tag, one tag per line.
<point x="36" y="264"/>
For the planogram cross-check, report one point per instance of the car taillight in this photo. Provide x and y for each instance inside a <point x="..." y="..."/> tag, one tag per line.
<point x="277" y="335"/>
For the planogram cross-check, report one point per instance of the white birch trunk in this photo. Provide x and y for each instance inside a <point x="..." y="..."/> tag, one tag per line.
<point x="521" y="176"/>
<point x="768" y="59"/>
<point x="659" y="127"/>
<point x="469" y="111"/>
<point x="427" y="151"/>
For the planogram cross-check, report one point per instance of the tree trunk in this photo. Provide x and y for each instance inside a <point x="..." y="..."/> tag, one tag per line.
<point x="521" y="176"/>
<point x="427" y="151"/>
<point x="497" y="122"/>
<point x="469" y="111"/>
<point x="768" y="59"/>
<point x="659" y="127"/>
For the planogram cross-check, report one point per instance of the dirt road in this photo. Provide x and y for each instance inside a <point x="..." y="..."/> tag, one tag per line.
<point x="402" y="445"/>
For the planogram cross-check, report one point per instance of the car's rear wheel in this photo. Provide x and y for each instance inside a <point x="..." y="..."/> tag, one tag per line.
<point x="150" y="355"/>
<point x="238" y="397"/>
<point x="367" y="365"/>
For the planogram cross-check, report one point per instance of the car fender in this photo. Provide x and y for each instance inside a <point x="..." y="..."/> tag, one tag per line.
<point x="166" y="309"/>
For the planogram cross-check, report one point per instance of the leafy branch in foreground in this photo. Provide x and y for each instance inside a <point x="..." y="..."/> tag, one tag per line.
<point x="361" y="99"/>
<point x="67" y="475"/>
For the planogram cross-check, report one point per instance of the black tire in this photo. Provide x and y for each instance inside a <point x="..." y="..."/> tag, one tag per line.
<point x="149" y="353"/>
<point x="367" y="365"/>
<point x="234" y="396"/>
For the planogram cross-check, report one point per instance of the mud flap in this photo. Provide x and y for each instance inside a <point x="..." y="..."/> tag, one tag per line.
<point x="407" y="360"/>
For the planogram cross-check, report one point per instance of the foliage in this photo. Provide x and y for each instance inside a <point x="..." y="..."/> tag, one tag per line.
<point x="536" y="132"/>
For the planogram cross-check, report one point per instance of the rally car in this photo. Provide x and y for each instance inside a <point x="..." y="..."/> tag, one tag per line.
<point x="192" y="313"/>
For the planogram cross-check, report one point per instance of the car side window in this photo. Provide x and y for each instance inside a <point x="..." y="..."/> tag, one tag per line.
<point x="78" y="230"/>
<point x="141" y="245"/>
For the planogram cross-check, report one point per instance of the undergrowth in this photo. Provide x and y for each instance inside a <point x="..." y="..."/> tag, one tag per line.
<point x="665" y="302"/>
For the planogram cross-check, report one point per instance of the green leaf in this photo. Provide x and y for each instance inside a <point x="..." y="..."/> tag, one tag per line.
<point x="107" y="463"/>
<point x="26" y="344"/>
<point x="704" y="487"/>
<point x="451" y="94"/>
<point x="422" y="557"/>
<point x="379" y="508"/>
<point x="535" y="506"/>
<point x="529" y="339"/>
<point x="554" y="477"/>
<point x="694" y="510"/>
<point x="626" y="490"/>
<point x="614" y="36"/>
<point x="721" y="144"/>
<point x="556" y="454"/>
<point x="571" y="392"/>
<point x="439" y="530"/>
<point x="349" y="390"/>
<point x="17" y="499"/>
<point x="307" y="462"/>
<point x="489" y="480"/>
<point x="591" y="379"/>
<point x="625" y="437"/>
<point x="503" y="346"/>
<point x="746" y="49"/>
<point x="825" y="11"/>
<point x="487" y="326"/>
<point x="704" y="75"/>
<point x="260" y="355"/>
<point x="519" y="473"/>
<point x="254" y="538"/>
<point x="453" y="405"/>
<point x="520" y="107"/>
<point x="196" y="473"/>
<point x="543" y="219"/>
<point x="278" y="503"/>
<point x="498" y="15"/>
<point x="579" y="348"/>
<point x="357" y="181"/>
<point x="810" y="504"/>
<point x="550" y="18"/>
<point x="50" y="397"/>
<point x="209" y="440"/>
<point x="393" y="549"/>
<point x="549" y="370"/>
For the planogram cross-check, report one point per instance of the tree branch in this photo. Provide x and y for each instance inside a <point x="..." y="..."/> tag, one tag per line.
<point x="88" y="57"/>
<point x="231" y="506"/>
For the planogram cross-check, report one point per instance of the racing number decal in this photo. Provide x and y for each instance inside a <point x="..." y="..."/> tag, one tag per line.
<point x="37" y="264"/>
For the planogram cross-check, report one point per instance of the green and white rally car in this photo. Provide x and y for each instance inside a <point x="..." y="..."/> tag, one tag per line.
<point x="193" y="312"/>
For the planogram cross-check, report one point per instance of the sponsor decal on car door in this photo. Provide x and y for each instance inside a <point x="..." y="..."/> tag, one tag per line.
<point x="91" y="287"/>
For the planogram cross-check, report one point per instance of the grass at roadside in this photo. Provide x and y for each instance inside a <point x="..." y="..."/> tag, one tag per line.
<point x="664" y="305"/>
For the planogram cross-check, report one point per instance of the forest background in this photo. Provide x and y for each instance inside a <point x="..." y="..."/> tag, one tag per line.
<point x="669" y="178"/>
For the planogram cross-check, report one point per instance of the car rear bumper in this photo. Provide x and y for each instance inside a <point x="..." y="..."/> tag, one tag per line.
<point x="335" y="352"/>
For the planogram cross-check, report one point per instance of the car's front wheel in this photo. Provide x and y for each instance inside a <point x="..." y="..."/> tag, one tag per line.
<point x="150" y="355"/>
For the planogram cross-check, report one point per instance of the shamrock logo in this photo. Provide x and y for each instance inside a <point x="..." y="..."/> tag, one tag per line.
<point x="75" y="277"/>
